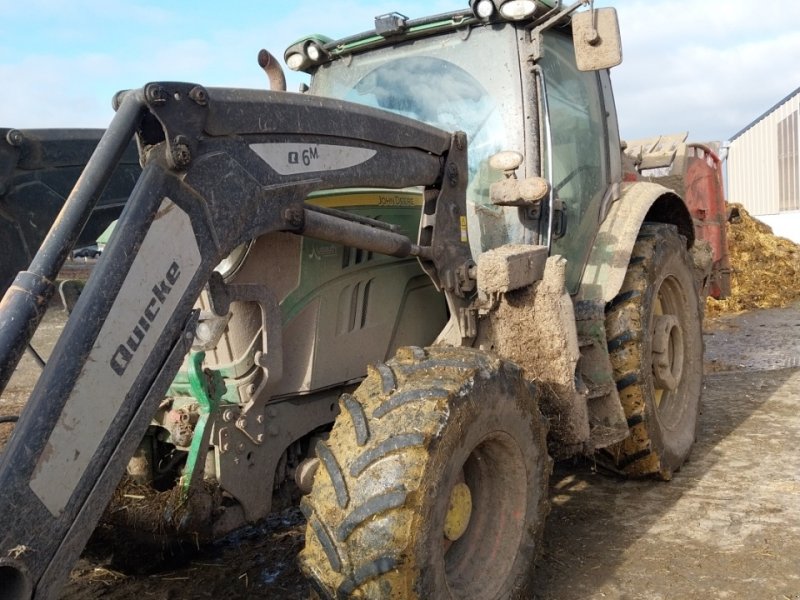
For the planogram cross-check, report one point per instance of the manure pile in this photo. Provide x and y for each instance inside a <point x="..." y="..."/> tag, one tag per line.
<point x="765" y="268"/>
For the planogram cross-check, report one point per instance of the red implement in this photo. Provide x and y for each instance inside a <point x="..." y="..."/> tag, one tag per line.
<point x="705" y="198"/>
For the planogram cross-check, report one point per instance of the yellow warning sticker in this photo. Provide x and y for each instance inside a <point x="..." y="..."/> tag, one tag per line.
<point x="463" y="229"/>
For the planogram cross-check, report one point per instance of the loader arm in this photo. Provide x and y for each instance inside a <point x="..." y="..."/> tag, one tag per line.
<point x="221" y="166"/>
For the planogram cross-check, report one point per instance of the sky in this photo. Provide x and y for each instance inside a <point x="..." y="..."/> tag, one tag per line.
<point x="708" y="66"/>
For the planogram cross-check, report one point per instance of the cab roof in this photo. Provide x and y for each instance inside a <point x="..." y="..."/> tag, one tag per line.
<point x="394" y="27"/>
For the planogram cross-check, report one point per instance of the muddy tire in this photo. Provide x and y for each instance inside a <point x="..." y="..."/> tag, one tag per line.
<point x="433" y="483"/>
<point x="654" y="329"/>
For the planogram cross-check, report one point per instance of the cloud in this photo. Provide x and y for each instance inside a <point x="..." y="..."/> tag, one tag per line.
<point x="68" y="62"/>
<point x="49" y="91"/>
<point x="708" y="67"/>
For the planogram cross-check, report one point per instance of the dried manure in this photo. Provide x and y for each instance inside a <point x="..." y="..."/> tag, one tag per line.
<point x="765" y="268"/>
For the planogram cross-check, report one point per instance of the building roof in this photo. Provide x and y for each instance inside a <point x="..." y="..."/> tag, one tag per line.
<point x="760" y="117"/>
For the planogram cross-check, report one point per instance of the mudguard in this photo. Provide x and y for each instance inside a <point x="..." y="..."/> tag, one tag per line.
<point x="608" y="261"/>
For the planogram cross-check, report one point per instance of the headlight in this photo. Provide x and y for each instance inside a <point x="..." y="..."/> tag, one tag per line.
<point x="483" y="9"/>
<point x="314" y="51"/>
<point x="307" y="53"/>
<point x="295" y="60"/>
<point x="516" y="10"/>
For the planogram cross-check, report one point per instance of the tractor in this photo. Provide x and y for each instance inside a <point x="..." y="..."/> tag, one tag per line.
<point x="393" y="298"/>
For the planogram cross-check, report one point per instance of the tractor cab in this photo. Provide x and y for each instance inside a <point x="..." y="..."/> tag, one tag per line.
<point x="485" y="71"/>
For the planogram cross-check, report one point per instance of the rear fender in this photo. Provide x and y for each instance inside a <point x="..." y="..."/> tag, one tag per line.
<point x="608" y="261"/>
<point x="602" y="280"/>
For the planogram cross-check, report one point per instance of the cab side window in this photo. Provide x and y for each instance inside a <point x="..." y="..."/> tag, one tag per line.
<point x="579" y="169"/>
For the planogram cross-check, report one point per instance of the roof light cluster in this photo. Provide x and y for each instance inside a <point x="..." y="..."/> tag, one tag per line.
<point x="513" y="10"/>
<point x="309" y="52"/>
<point x="306" y="53"/>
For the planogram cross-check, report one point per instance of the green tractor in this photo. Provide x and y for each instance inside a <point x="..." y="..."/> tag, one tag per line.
<point x="402" y="332"/>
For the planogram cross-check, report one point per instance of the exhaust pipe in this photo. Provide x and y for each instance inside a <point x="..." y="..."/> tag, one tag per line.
<point x="271" y="66"/>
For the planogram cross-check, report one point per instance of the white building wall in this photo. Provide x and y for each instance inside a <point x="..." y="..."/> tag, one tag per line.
<point x="753" y="162"/>
<point x="784" y="224"/>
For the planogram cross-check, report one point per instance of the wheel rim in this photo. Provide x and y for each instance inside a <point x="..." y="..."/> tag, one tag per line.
<point x="668" y="352"/>
<point x="479" y="560"/>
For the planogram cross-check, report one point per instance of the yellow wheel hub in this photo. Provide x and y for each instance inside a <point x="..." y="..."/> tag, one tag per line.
<point x="459" y="512"/>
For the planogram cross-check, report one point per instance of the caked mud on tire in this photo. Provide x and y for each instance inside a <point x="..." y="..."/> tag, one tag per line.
<point x="654" y="329"/>
<point x="433" y="483"/>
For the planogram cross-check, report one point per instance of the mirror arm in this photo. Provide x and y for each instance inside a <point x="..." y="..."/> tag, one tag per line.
<point x="594" y="36"/>
<point x="556" y="18"/>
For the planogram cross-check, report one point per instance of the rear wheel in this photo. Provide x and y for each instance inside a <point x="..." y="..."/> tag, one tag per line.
<point x="433" y="483"/>
<point x="654" y="329"/>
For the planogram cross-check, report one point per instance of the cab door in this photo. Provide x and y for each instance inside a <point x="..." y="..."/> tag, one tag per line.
<point x="578" y="125"/>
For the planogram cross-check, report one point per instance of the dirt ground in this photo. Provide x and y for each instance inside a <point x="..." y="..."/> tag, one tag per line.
<point x="727" y="526"/>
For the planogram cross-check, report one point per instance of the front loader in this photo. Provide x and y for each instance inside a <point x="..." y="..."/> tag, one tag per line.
<point x="325" y="294"/>
<point x="38" y="168"/>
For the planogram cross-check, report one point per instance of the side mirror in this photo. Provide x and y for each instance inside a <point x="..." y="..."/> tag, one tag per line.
<point x="595" y="35"/>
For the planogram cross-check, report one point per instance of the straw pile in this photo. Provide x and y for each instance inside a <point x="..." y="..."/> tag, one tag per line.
<point x="766" y="268"/>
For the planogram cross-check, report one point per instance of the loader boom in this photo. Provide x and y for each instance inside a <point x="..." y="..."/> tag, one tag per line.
<point x="213" y="156"/>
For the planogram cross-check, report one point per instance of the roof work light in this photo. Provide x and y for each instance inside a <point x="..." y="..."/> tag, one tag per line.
<point x="517" y="10"/>
<point x="483" y="9"/>
<point x="307" y="52"/>
<point x="513" y="10"/>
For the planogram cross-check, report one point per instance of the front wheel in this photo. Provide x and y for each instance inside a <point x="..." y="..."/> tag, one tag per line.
<point x="654" y="329"/>
<point x="433" y="483"/>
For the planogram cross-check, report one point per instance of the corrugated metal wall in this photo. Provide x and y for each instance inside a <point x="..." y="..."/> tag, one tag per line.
<point x="763" y="162"/>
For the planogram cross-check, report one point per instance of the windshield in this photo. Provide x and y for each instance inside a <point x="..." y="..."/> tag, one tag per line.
<point x="431" y="90"/>
<point x="452" y="82"/>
